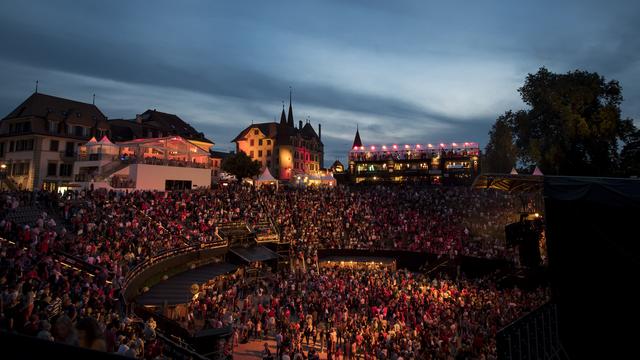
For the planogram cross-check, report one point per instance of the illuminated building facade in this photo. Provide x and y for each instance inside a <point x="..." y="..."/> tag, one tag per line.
<point x="455" y="163"/>
<point x="287" y="151"/>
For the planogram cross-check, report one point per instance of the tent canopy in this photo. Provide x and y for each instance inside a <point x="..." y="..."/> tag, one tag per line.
<point x="266" y="176"/>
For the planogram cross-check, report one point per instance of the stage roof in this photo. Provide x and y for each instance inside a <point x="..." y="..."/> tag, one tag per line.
<point x="508" y="182"/>
<point x="255" y="253"/>
<point x="177" y="289"/>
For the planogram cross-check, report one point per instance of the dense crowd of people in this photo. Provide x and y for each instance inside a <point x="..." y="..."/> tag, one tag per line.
<point x="438" y="220"/>
<point x="372" y="314"/>
<point x="112" y="232"/>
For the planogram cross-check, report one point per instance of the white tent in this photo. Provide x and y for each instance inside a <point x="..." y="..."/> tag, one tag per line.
<point x="513" y="171"/>
<point x="105" y="146"/>
<point x="92" y="141"/>
<point x="537" y="172"/>
<point x="266" y="179"/>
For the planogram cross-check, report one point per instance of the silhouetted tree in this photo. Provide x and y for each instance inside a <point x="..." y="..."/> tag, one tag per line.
<point x="630" y="155"/>
<point x="241" y="166"/>
<point x="573" y="126"/>
<point x="501" y="153"/>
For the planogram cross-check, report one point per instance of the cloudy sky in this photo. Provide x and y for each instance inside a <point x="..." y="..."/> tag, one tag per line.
<point x="405" y="71"/>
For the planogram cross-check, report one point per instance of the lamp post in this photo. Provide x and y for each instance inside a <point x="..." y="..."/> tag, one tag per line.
<point x="3" y="175"/>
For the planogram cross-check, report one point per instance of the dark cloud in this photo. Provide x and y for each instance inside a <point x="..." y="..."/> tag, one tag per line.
<point x="222" y="65"/>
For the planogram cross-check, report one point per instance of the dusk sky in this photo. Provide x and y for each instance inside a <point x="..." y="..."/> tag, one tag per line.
<point x="406" y="72"/>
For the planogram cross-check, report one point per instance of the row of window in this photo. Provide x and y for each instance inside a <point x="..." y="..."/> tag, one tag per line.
<point x="21" y="127"/>
<point x="18" y="169"/>
<point x="65" y="169"/>
<point x="252" y="142"/>
<point x="251" y="153"/>
<point x="300" y="166"/>
<point x="75" y="130"/>
<point x="307" y="157"/>
<point x="18" y="145"/>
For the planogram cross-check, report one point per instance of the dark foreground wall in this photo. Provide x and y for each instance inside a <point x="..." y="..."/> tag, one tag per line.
<point x="593" y="243"/>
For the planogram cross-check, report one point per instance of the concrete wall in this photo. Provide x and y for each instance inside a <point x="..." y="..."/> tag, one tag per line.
<point x="153" y="177"/>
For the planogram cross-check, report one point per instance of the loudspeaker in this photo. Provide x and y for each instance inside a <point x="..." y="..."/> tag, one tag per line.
<point x="530" y="253"/>
<point x="525" y="234"/>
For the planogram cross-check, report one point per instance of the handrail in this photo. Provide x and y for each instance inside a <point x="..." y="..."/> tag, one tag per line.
<point x="144" y="265"/>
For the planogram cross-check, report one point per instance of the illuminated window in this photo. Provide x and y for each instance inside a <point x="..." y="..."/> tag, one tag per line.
<point x="260" y="142"/>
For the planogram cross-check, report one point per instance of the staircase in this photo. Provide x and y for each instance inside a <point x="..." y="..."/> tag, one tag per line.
<point x="265" y="232"/>
<point x="236" y="233"/>
<point x="10" y="184"/>
<point x="111" y="169"/>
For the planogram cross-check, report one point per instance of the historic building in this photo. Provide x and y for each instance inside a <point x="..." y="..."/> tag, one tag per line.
<point x="455" y="163"/>
<point x="40" y="140"/>
<point x="288" y="151"/>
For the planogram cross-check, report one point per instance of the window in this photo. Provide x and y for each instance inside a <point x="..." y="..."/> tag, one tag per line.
<point x="251" y="154"/>
<point x="78" y="131"/>
<point x="66" y="169"/>
<point x="177" y="185"/>
<point x="69" y="149"/>
<point x="21" y="127"/>
<point x="11" y="146"/>
<point x="259" y="153"/>
<point x="268" y="142"/>
<point x="255" y="132"/>
<point x="52" y="169"/>
<point x="260" y="142"/>
<point x="268" y="152"/>
<point x="1" y="149"/>
<point x="251" y="143"/>
<point x="20" y="169"/>
<point x="268" y="163"/>
<point x="53" y="127"/>
<point x="24" y="145"/>
<point x="53" y="145"/>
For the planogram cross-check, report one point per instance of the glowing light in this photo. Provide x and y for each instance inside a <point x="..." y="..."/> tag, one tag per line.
<point x="395" y="146"/>
<point x="355" y="148"/>
<point x="373" y="148"/>
<point x="441" y="145"/>
<point x="454" y="144"/>
<point x="418" y="146"/>
<point x="536" y="215"/>
<point x="430" y="145"/>
<point x="361" y="147"/>
<point x="384" y="147"/>
<point x="466" y="144"/>
<point x="406" y="146"/>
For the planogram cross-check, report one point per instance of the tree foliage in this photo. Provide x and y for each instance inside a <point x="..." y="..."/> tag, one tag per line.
<point x="241" y="166"/>
<point x="573" y="125"/>
<point x="501" y="153"/>
<point x="630" y="156"/>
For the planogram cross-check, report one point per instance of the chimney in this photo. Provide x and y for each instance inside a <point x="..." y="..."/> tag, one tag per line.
<point x="299" y="124"/>
<point x="319" y="131"/>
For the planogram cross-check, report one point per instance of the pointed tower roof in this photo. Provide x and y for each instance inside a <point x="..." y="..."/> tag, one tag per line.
<point x="283" y="117"/>
<point x="356" y="141"/>
<point x="537" y="172"/>
<point x="514" y="171"/>
<point x="290" y="116"/>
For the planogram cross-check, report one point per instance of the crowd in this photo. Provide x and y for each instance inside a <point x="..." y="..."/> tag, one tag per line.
<point x="115" y="231"/>
<point x="370" y="314"/>
<point x="439" y="220"/>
